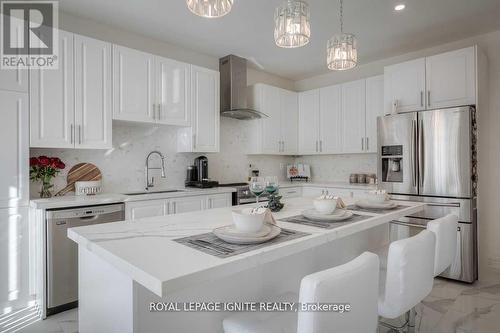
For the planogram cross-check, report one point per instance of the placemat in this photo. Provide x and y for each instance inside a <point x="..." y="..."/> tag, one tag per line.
<point x="211" y="244"/>
<point x="300" y="219"/>
<point x="375" y="211"/>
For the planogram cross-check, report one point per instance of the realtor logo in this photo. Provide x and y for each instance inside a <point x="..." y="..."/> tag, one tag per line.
<point x="29" y="37"/>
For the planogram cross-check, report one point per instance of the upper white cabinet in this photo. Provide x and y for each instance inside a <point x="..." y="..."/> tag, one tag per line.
<point x="443" y="80"/>
<point x="14" y="133"/>
<point x="374" y="109"/>
<point x="405" y="86"/>
<point x="309" y="122"/>
<point x="92" y="93"/>
<point x="173" y="92"/>
<point x="277" y="133"/>
<point x="330" y="120"/>
<point x="353" y="117"/>
<point x="451" y="79"/>
<point x="52" y="108"/>
<point x="203" y="134"/>
<point x="133" y="85"/>
<point x="70" y="107"/>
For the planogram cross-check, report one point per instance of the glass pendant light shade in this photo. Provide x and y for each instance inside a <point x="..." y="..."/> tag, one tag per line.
<point x="342" y="53"/>
<point x="210" y="8"/>
<point x="291" y="24"/>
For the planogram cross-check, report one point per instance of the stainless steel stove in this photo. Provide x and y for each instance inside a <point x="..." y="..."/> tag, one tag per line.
<point x="243" y="195"/>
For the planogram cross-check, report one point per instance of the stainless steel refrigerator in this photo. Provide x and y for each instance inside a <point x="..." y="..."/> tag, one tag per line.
<point x="431" y="156"/>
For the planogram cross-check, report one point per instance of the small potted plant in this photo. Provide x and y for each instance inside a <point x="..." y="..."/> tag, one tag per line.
<point x="43" y="168"/>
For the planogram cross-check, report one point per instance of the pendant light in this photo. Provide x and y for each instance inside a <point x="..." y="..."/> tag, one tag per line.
<point x="210" y="8"/>
<point x="291" y="24"/>
<point x="342" y="50"/>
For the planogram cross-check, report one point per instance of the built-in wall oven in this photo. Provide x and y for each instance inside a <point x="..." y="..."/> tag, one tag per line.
<point x="243" y="196"/>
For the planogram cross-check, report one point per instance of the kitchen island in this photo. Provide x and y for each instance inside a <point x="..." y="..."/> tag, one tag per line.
<point x="124" y="266"/>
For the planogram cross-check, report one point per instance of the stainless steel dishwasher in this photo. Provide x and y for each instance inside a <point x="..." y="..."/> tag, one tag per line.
<point x="62" y="252"/>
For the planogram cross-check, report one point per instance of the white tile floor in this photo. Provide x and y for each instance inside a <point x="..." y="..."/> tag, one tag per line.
<point x="450" y="308"/>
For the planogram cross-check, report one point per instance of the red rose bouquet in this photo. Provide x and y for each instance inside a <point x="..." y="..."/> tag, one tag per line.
<point x="43" y="168"/>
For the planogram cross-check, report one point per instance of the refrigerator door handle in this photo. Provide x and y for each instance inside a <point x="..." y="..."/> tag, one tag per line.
<point x="413" y="153"/>
<point x="421" y="153"/>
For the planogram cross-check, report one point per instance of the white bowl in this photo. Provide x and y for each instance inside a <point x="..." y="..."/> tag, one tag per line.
<point x="325" y="206"/>
<point x="246" y="221"/>
<point x="376" y="196"/>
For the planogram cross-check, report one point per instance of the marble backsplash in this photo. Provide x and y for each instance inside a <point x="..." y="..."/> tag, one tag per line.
<point x="122" y="166"/>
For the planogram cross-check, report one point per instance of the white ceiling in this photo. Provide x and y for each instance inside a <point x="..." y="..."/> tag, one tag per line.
<point x="248" y="29"/>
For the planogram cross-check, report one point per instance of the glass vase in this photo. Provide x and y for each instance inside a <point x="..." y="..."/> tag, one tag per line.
<point x="45" y="190"/>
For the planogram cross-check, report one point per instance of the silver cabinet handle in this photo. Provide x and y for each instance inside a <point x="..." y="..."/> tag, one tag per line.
<point x="159" y="111"/>
<point x="362" y="143"/>
<point x="367" y="144"/>
<point x="421" y="98"/>
<point x="80" y="134"/>
<point x="283" y="146"/>
<point x="316" y="145"/>
<point x="72" y="134"/>
<point x="428" y="98"/>
<point x="321" y="146"/>
<point x="194" y="140"/>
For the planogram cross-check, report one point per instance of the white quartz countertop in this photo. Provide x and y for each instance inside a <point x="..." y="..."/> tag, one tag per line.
<point x="344" y="185"/>
<point x="74" y="200"/>
<point x="145" y="249"/>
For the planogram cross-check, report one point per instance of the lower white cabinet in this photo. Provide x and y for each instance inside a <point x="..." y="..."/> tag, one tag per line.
<point x="159" y="207"/>
<point x="187" y="204"/>
<point x="290" y="192"/>
<point x="219" y="200"/>
<point x="148" y="208"/>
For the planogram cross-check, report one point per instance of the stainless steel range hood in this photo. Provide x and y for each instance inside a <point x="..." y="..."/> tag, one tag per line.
<point x="233" y="89"/>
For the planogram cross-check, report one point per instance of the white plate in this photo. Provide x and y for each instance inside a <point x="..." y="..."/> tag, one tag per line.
<point x="342" y="215"/>
<point x="231" y="230"/>
<point x="227" y="234"/>
<point x="376" y="205"/>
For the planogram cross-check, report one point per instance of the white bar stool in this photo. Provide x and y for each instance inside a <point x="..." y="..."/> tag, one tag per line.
<point x="355" y="283"/>
<point x="409" y="276"/>
<point x="445" y="230"/>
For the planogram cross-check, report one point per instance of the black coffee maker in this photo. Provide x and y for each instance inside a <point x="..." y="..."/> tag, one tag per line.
<point x="197" y="174"/>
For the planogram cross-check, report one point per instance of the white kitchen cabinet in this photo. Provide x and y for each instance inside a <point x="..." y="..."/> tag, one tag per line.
<point x="277" y="133"/>
<point x="353" y="117"/>
<point x="14" y="127"/>
<point x="451" y="79"/>
<point x="14" y="79"/>
<point x="309" y="106"/>
<point x="70" y="107"/>
<point x="404" y="86"/>
<point x="93" y="113"/>
<point x="219" y="200"/>
<point x="330" y="120"/>
<point x="148" y="208"/>
<point x="374" y="109"/>
<point x="187" y="204"/>
<point x="203" y="134"/>
<point x="52" y="108"/>
<point x="173" y="92"/>
<point x="289" y="122"/>
<point x="133" y="85"/>
<point x="290" y="192"/>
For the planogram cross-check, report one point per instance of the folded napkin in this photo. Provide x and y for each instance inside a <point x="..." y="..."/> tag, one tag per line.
<point x="340" y="203"/>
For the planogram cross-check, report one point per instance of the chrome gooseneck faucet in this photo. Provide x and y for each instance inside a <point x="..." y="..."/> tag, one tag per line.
<point x="151" y="182"/>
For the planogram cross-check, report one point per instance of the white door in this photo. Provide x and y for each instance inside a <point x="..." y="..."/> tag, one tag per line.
<point x="374" y="109"/>
<point x="451" y="79"/>
<point x="14" y="79"/>
<point x="353" y="116"/>
<point x="133" y="85"/>
<point x="14" y="135"/>
<point x="205" y="105"/>
<point x="219" y="200"/>
<point x="142" y="209"/>
<point x="173" y="94"/>
<point x="187" y="204"/>
<point x="52" y="108"/>
<point x="330" y="123"/>
<point x="309" y="122"/>
<point x="405" y="86"/>
<point x="93" y="112"/>
<point x="289" y="122"/>
<point x="271" y="127"/>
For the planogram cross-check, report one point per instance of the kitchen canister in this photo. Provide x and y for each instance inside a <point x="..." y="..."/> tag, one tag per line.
<point x="353" y="178"/>
<point x="361" y="178"/>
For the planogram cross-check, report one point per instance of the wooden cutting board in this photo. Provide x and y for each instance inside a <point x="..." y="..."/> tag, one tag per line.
<point x="80" y="172"/>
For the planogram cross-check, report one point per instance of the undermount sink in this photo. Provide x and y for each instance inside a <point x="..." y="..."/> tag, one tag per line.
<point x="154" y="192"/>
